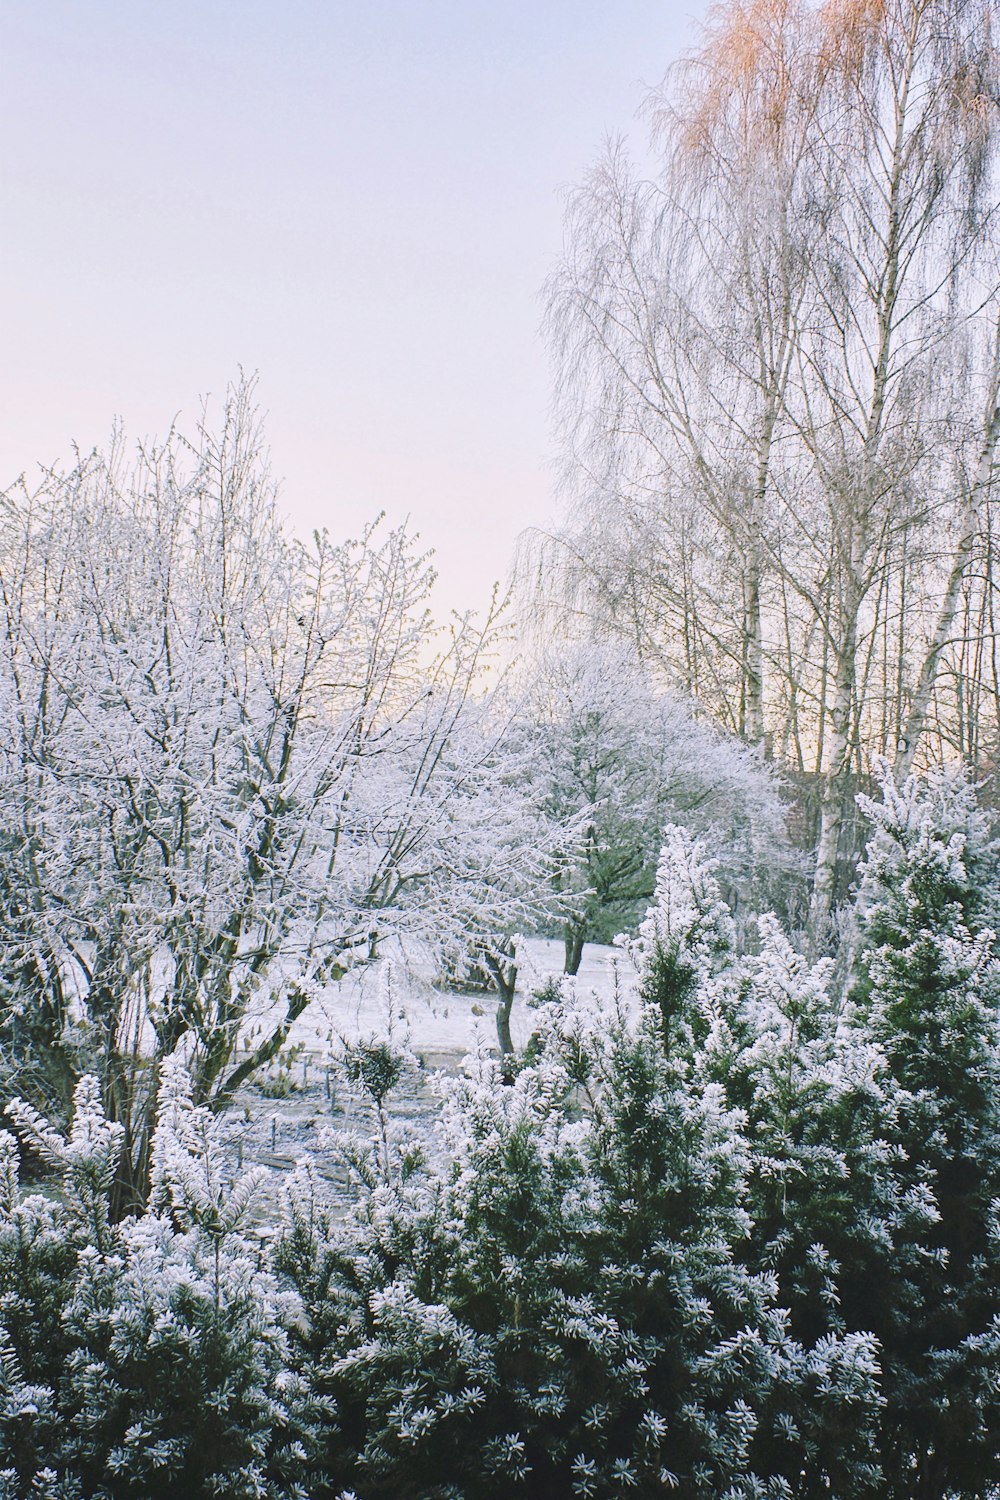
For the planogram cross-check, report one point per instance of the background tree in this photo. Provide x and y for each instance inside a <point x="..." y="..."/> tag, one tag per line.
<point x="612" y="759"/>
<point x="778" y="385"/>
<point x="495" y="861"/>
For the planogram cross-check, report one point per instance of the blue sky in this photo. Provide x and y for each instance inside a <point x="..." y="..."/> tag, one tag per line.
<point x="358" y="201"/>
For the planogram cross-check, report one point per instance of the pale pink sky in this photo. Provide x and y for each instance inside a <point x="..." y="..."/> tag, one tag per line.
<point x="359" y="201"/>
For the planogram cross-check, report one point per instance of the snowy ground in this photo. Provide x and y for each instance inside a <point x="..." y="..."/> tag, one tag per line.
<point x="443" y="1024"/>
<point x="280" y="1116"/>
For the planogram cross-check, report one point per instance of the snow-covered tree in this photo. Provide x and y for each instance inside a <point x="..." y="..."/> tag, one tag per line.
<point x="137" y="1359"/>
<point x="494" y="866"/>
<point x="229" y="764"/>
<point x="929" y="996"/>
<point x="686" y="939"/>
<point x="832" y="1219"/>
<point x="617" y="759"/>
<point x="37" y="1257"/>
<point x="763" y="1028"/>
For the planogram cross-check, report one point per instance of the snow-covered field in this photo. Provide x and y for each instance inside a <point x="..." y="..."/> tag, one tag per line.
<point x="285" y="1111"/>
<point x="443" y="1025"/>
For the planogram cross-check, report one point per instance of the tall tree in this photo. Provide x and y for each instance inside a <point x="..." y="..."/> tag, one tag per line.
<point x="773" y="364"/>
<point x="228" y="761"/>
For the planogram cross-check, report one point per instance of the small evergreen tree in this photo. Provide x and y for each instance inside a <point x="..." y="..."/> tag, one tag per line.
<point x="831" y="1217"/>
<point x="763" y="1028"/>
<point x="162" y="1378"/>
<point x="35" y="1261"/>
<point x="929" y="986"/>
<point x="685" y="941"/>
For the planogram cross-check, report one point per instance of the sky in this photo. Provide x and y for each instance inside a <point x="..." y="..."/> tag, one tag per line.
<point x="357" y="201"/>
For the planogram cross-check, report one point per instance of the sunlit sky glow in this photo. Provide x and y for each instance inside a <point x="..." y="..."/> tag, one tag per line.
<point x="358" y="201"/>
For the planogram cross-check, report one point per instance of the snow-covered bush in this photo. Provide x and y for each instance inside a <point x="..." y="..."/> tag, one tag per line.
<point x="141" y="1359"/>
<point x="928" y="996"/>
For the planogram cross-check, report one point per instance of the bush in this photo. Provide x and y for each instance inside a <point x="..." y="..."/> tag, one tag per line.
<point x="726" y="1236"/>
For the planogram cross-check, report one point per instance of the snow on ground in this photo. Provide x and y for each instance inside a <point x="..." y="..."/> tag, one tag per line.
<point x="443" y="1024"/>
<point x="285" y="1111"/>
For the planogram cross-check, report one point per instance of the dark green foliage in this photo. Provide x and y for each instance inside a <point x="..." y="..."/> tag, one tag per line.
<point x="721" y="1235"/>
<point x="373" y="1064"/>
<point x="929" y="993"/>
<point x="140" y="1360"/>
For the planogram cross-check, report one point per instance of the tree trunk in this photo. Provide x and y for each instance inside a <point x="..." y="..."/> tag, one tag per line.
<point x="502" y="968"/>
<point x="754" y="727"/>
<point x="835" y="792"/>
<point x="130" y="1101"/>
<point x="573" y="941"/>
<point x="930" y="1482"/>
<point x="503" y="1024"/>
<point x="753" y="721"/>
<point x="917" y="717"/>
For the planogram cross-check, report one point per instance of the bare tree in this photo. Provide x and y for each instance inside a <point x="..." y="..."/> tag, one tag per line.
<point x="773" y="365"/>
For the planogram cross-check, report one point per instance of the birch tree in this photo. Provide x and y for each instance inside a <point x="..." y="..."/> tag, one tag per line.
<point x="777" y="383"/>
